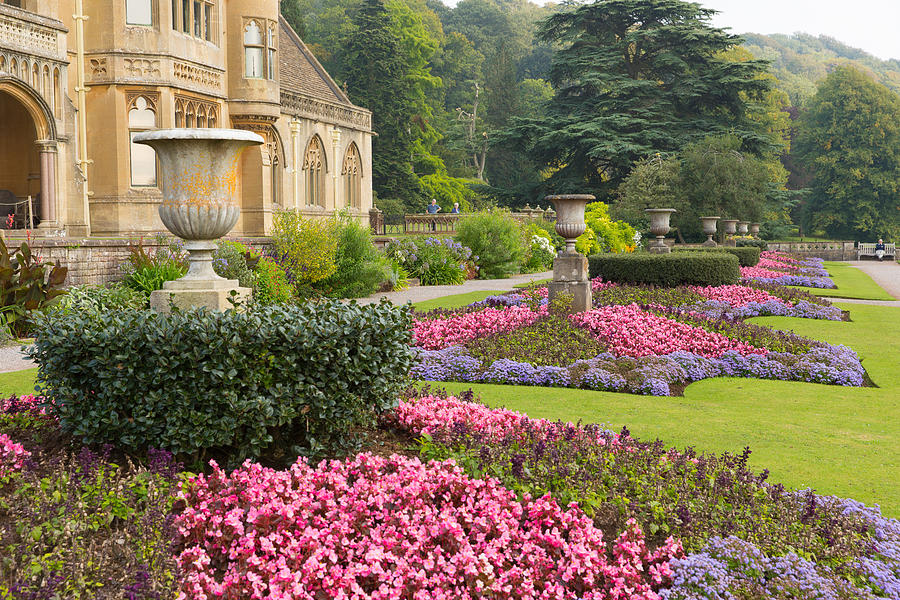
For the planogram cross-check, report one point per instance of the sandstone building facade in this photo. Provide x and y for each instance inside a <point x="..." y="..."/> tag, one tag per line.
<point x="79" y="78"/>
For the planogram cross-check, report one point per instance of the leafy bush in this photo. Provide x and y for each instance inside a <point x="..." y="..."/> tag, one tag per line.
<point x="148" y="272"/>
<point x="602" y="234"/>
<point x="747" y="256"/>
<point x="359" y="268"/>
<point x="230" y="260"/>
<point x="280" y="379"/>
<point x="94" y="299"/>
<point x="540" y="251"/>
<point x="26" y="285"/>
<point x="498" y="241"/>
<point x="270" y="283"/>
<point x="751" y="243"/>
<point x="306" y="248"/>
<point x="435" y="261"/>
<point x="667" y="270"/>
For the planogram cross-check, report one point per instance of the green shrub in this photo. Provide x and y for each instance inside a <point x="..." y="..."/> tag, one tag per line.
<point x="359" y="267"/>
<point x="147" y="272"/>
<point x="748" y="257"/>
<point x="667" y="270"/>
<point x="269" y="382"/>
<point x="751" y="243"/>
<point x="230" y="262"/>
<point x="26" y="285"/>
<point x="602" y="234"/>
<point x="270" y="283"/>
<point x="496" y="239"/>
<point x="94" y="299"/>
<point x="434" y="260"/>
<point x="306" y="248"/>
<point x="540" y="251"/>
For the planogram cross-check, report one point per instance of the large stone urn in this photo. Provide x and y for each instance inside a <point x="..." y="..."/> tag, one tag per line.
<point x="659" y="226"/>
<point x="709" y="228"/>
<point x="570" y="269"/>
<point x="199" y="182"/>
<point x="730" y="230"/>
<point x="743" y="227"/>
<point x="754" y="229"/>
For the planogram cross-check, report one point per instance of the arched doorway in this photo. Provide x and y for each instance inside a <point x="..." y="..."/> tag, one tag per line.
<point x="28" y="155"/>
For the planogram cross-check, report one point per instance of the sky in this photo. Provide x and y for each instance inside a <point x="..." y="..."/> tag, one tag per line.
<point x="873" y="25"/>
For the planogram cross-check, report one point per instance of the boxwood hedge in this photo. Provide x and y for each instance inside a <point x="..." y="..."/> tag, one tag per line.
<point x="270" y="382"/>
<point x="667" y="270"/>
<point x="748" y="257"/>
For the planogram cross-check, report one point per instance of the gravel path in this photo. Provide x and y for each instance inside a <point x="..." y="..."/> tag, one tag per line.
<point x="885" y="273"/>
<point x="12" y="359"/>
<point x="420" y="293"/>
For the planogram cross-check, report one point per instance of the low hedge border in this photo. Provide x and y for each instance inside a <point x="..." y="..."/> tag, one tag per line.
<point x="748" y="257"/>
<point x="272" y="382"/>
<point x="667" y="270"/>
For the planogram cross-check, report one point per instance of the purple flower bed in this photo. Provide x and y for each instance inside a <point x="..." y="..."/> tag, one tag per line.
<point x="824" y="283"/>
<point x="803" y="309"/>
<point x="651" y="375"/>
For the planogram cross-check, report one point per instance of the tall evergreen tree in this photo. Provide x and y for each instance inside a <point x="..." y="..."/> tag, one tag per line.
<point x="850" y="139"/>
<point x="290" y="10"/>
<point x="377" y="78"/>
<point x="637" y="77"/>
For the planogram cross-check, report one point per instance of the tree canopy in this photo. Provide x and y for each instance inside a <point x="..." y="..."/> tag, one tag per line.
<point x="850" y="139"/>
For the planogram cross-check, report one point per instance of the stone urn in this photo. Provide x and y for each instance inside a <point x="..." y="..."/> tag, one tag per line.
<point x="659" y="226"/>
<point x="754" y="229"/>
<point x="743" y="227"/>
<point x="200" y="174"/>
<point x="709" y="228"/>
<point x="570" y="269"/>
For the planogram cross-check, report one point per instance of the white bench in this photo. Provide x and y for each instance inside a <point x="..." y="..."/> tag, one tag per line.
<point x="867" y="249"/>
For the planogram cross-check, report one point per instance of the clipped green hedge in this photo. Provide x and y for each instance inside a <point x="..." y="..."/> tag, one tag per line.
<point x="748" y="257"/>
<point x="667" y="270"/>
<point x="273" y="382"/>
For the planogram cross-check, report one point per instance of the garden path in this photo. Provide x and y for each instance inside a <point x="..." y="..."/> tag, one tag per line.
<point x="886" y="274"/>
<point x="12" y="359"/>
<point x="421" y="293"/>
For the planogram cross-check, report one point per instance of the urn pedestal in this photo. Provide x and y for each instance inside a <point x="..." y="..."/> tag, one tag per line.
<point x="659" y="226"/>
<point x="570" y="269"/>
<point x="709" y="228"/>
<point x="200" y="174"/>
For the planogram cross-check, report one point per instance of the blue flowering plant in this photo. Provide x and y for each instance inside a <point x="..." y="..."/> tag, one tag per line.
<point x="434" y="260"/>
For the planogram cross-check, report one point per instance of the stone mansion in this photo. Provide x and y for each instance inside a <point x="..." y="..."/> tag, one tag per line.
<point x="79" y="78"/>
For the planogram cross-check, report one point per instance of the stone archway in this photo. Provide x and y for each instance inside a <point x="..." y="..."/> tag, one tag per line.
<point x="28" y="151"/>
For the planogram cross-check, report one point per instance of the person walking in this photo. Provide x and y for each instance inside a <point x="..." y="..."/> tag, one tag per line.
<point x="433" y="209"/>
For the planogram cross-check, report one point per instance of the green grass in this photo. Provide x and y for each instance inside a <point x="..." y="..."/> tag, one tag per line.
<point x="17" y="382"/>
<point x="456" y="300"/>
<point x="838" y="440"/>
<point x="531" y="283"/>
<point x="851" y="283"/>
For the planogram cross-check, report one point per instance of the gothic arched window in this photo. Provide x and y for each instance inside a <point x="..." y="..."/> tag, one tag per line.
<point x="315" y="167"/>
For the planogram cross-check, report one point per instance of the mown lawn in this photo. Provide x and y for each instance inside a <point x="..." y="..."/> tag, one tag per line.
<point x="851" y="283"/>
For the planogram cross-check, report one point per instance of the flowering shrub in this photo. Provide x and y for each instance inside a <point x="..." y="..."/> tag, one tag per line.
<point x="602" y="234"/>
<point x="305" y="248"/>
<point x="540" y="252"/>
<point x="434" y="260"/>
<point x="438" y="333"/>
<point x="12" y="456"/>
<point x="497" y="239"/>
<point x="375" y="527"/>
<point x="630" y="331"/>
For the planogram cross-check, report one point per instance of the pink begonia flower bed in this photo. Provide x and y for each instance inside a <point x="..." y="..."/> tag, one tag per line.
<point x="748" y="272"/>
<point x="378" y="528"/>
<point x="429" y="415"/>
<point x="630" y="331"/>
<point x="767" y="263"/>
<point x="737" y="295"/>
<point x="434" y="334"/>
<point x="12" y="456"/>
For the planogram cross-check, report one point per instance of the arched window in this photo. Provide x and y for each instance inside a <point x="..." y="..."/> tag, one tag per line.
<point x="351" y="172"/>
<point x="190" y="116"/>
<point x="57" y="93"/>
<point x="48" y="91"/>
<point x="141" y="117"/>
<point x="270" y="45"/>
<point x="314" y="164"/>
<point x="179" y="113"/>
<point x="211" y="118"/>
<point x="139" y="12"/>
<point x="201" y="116"/>
<point x="2" y="63"/>
<point x="253" y="51"/>
<point x="14" y="68"/>
<point x="36" y="77"/>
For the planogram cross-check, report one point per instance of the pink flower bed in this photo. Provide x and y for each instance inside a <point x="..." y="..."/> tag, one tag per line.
<point x="20" y="404"/>
<point x="748" y="272"/>
<point x="430" y="415"/>
<point x="388" y="528"/>
<point x="768" y="255"/>
<point x="435" y="334"/>
<point x="767" y="263"/>
<point x="736" y="295"/>
<point x="12" y="456"/>
<point x="630" y="331"/>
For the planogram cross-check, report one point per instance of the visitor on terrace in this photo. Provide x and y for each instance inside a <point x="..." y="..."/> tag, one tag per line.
<point x="879" y="249"/>
<point x="433" y="209"/>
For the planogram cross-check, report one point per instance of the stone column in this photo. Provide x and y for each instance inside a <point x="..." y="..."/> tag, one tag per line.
<point x="336" y="165"/>
<point x="48" y="183"/>
<point x="296" y="158"/>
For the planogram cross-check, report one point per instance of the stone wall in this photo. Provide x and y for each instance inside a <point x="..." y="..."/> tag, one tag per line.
<point x="97" y="261"/>
<point x="823" y="250"/>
